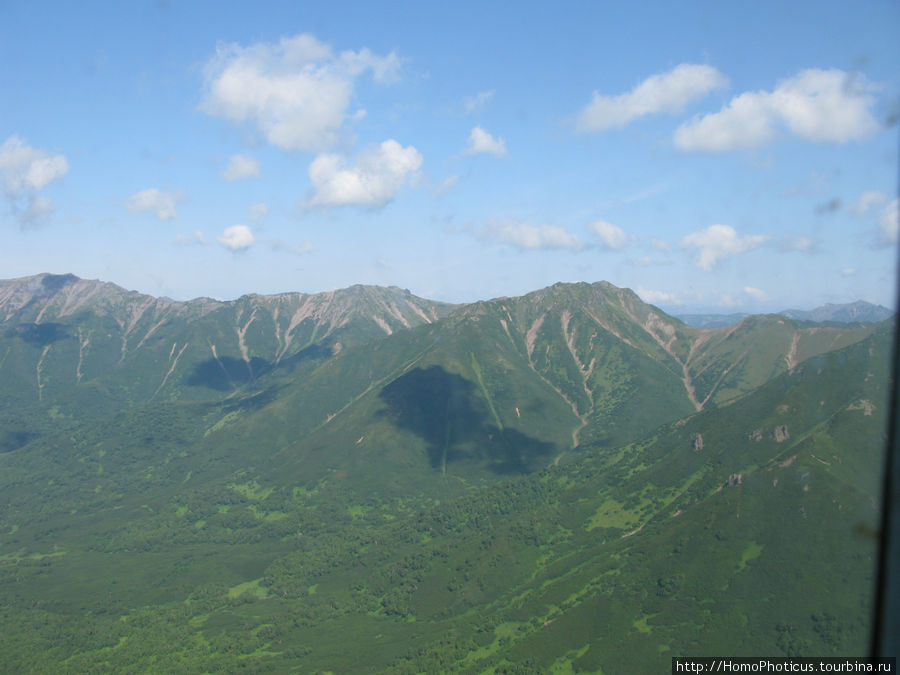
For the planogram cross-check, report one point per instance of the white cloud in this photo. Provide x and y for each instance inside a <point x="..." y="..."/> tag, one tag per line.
<point x="848" y="272"/>
<point x="816" y="105"/>
<point x="524" y="236"/>
<point x="25" y="168"/>
<point x="868" y="199"/>
<point x="613" y="236"/>
<point x="756" y="293"/>
<point x="24" y="171"/>
<point x="237" y="238"/>
<point x="161" y="203"/>
<point x="717" y="242"/>
<point x="258" y="212"/>
<point x="473" y="104"/>
<point x="296" y="91"/>
<point x="378" y="174"/>
<point x="240" y="167"/>
<point x="889" y="223"/>
<point x="666" y="92"/>
<point x="660" y="245"/>
<point x="656" y="297"/>
<point x="480" y="141"/>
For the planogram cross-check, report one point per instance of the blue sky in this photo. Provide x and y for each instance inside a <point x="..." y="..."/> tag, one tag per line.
<point x="712" y="156"/>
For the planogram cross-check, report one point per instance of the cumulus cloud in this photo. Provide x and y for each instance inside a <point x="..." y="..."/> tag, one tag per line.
<point x="473" y="104"/>
<point x="816" y="105"/>
<point x="25" y="168"/>
<point x="612" y="236"/>
<point x="756" y="293"/>
<point x="889" y="223"/>
<point x="657" y="297"/>
<point x="868" y="199"/>
<point x="525" y="236"/>
<point x="160" y="203"/>
<point x="240" y="167"/>
<point x="296" y="91"/>
<point x="237" y="238"/>
<point x="666" y="92"/>
<point x="717" y="242"/>
<point x="24" y="171"/>
<point x="376" y="177"/>
<point x="480" y="141"/>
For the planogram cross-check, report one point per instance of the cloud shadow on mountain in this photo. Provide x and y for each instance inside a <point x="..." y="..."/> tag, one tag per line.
<point x="226" y="372"/>
<point x="40" y="334"/>
<point x="445" y="411"/>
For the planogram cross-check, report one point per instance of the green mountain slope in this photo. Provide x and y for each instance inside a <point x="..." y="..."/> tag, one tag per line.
<point x="71" y="348"/>
<point x="566" y="480"/>
<point x="498" y="388"/>
<point x="512" y="385"/>
<point x="740" y="530"/>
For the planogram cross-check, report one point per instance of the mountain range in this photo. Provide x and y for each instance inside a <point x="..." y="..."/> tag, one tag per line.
<point x="853" y="312"/>
<point x="546" y="483"/>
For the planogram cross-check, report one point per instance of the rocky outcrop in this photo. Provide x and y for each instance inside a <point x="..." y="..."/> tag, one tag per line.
<point x="780" y="433"/>
<point x="864" y="405"/>
<point x="734" y="479"/>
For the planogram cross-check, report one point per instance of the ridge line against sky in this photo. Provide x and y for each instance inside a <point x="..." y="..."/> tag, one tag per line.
<point x="711" y="157"/>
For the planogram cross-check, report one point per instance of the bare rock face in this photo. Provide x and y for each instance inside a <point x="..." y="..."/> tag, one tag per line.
<point x="698" y="442"/>
<point x="755" y="435"/>
<point x="734" y="479"/>
<point x="864" y="405"/>
<point x="780" y="433"/>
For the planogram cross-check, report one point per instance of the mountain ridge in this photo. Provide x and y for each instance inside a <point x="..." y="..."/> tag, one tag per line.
<point x="182" y="537"/>
<point x="75" y="345"/>
<point x="859" y="311"/>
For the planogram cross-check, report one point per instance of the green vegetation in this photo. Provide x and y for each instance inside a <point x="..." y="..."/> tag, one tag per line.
<point x="514" y="488"/>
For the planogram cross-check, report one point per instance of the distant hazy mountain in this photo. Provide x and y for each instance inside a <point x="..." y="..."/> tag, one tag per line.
<point x="854" y="312"/>
<point x="859" y="311"/>
<point x="566" y="480"/>
<point x="711" y="320"/>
